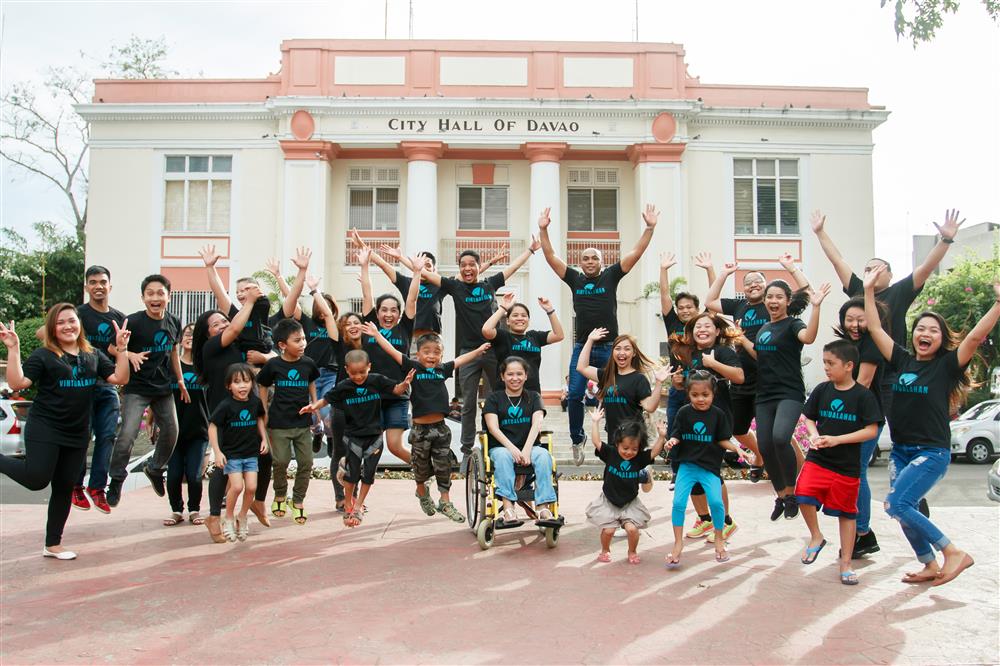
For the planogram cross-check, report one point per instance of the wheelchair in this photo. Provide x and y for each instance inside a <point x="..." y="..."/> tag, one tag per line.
<point x="483" y="507"/>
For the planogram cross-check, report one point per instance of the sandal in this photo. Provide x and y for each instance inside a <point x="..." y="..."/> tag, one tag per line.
<point x="673" y="561"/>
<point x="721" y="556"/>
<point x="229" y="530"/>
<point x="299" y="514"/>
<point x="196" y="518"/>
<point x="604" y="557"/>
<point x="242" y="530"/>
<point x="848" y="578"/>
<point x="426" y="503"/>
<point x="338" y="506"/>
<point x="448" y="509"/>
<point x="279" y="507"/>
<point x="544" y="513"/>
<point x="812" y="552"/>
<point x="174" y="519"/>
<point x="633" y="558"/>
<point x="356" y="517"/>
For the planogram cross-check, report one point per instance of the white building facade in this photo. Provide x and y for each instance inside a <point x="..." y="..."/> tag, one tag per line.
<point x="446" y="146"/>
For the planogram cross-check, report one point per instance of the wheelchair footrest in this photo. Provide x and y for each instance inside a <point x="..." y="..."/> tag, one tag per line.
<point x="555" y="522"/>
<point x="507" y="524"/>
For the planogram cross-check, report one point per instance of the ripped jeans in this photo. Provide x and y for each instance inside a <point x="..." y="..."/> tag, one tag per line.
<point x="913" y="471"/>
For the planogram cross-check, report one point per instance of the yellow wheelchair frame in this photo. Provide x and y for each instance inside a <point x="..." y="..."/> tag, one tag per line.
<point x="483" y="507"/>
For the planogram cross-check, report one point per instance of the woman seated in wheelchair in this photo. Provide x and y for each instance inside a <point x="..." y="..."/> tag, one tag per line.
<point x="512" y="418"/>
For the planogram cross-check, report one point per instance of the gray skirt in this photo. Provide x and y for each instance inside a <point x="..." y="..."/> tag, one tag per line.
<point x="606" y="515"/>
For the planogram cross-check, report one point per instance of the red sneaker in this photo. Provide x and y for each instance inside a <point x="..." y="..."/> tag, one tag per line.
<point x="99" y="500"/>
<point x="79" y="499"/>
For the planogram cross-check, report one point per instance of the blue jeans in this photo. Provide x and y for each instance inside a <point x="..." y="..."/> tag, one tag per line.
<point x="688" y="475"/>
<point x="503" y="474"/>
<point x="599" y="355"/>
<point x="185" y="463"/>
<point x="327" y="380"/>
<point x="864" y="492"/>
<point x="103" y="423"/>
<point x="913" y="471"/>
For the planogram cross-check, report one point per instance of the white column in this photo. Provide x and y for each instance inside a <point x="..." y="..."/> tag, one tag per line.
<point x="421" y="215"/>
<point x="304" y="215"/>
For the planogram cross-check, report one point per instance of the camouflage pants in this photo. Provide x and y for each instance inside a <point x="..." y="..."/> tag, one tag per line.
<point x="430" y="453"/>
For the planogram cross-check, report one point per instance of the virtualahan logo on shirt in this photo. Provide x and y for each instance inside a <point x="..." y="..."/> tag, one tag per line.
<point x="78" y="381"/>
<point x="836" y="412"/>
<point x="103" y="335"/>
<point x="162" y="342"/>
<point x="293" y="380"/>
<point x="425" y="292"/>
<point x="904" y="384"/>
<point x="515" y="415"/>
<point x="590" y="289"/>
<point x="612" y="396"/>
<point x="387" y="334"/>
<point x="624" y="470"/>
<point x="190" y="382"/>
<point x="762" y="342"/>
<point x="361" y="395"/>
<point x="320" y="332"/>
<point x="429" y="374"/>
<point x="245" y="419"/>
<point x="699" y="433"/>
<point x="478" y="296"/>
<point x="525" y="346"/>
<point x="752" y="319"/>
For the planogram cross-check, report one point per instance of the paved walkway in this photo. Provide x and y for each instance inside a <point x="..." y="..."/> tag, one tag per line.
<point x="404" y="588"/>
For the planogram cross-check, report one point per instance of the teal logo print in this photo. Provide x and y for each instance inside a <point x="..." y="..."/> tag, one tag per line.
<point x="907" y="378"/>
<point x="161" y="339"/>
<point x="514" y="411"/>
<point x="104" y="329"/>
<point x="699" y="428"/>
<point x="361" y="390"/>
<point x="837" y="405"/>
<point x="624" y="465"/>
<point x="385" y="332"/>
<point x="76" y="372"/>
<point x="245" y="415"/>
<point x="589" y="286"/>
<point x="424" y="290"/>
<point x="764" y="337"/>
<point x="293" y="374"/>
<point x="478" y="291"/>
<point x="190" y="378"/>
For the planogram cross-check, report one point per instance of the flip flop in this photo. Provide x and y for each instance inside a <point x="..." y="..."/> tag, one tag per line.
<point x="673" y="561"/>
<point x="848" y="578"/>
<point x="915" y="578"/>
<point x="947" y="577"/>
<point x="721" y="556"/>
<point x="604" y="557"/>
<point x="196" y="519"/>
<point x="634" y="558"/>
<point x="174" y="519"/>
<point x="812" y="552"/>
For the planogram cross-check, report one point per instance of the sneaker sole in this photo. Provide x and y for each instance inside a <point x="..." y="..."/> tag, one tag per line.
<point x="81" y="508"/>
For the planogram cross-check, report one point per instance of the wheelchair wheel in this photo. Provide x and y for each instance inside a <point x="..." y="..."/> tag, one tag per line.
<point x="551" y="536"/>
<point x="475" y="489"/>
<point x="484" y="534"/>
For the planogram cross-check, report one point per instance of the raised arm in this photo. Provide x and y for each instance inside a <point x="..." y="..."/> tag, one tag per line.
<point x="121" y="374"/>
<point x="410" y="304"/>
<point x="371" y="329"/>
<point x="948" y="231"/>
<point x="583" y="365"/>
<point x="981" y="331"/>
<point x="551" y="258"/>
<point x="470" y="356"/>
<point x="713" y="299"/>
<point x="801" y="281"/>
<point x="329" y="319"/>
<point x="661" y="439"/>
<point x="386" y="267"/>
<point x="403" y="386"/>
<point x="367" y="302"/>
<point x="650" y="216"/>
<point x="596" y="415"/>
<point x="515" y="265"/>
<point x="881" y="339"/>
<point x="211" y="257"/>
<point x="652" y="401"/>
<point x="492" y="261"/>
<point x="15" y="373"/>
<point x="840" y="265"/>
<point x="807" y="335"/>
<point x="704" y="260"/>
<point x="301" y="261"/>
<point x="273" y="267"/>
<point x="557" y="334"/>
<point x="242" y="317"/>
<point x="503" y="308"/>
<point x="667" y="261"/>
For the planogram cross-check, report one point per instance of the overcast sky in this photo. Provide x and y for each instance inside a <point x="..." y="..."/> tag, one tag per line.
<point x="940" y="147"/>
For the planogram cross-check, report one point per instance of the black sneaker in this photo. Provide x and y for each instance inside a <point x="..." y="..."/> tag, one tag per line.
<point x="317" y="442"/>
<point x="791" y="507"/>
<point x="114" y="494"/>
<point x="779" y="508"/>
<point x="923" y="508"/>
<point x="155" y="480"/>
<point x="756" y="474"/>
<point x="865" y="544"/>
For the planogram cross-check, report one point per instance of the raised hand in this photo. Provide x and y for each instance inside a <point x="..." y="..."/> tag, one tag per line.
<point x="390" y="251"/>
<point x="122" y="334"/>
<point x="596" y="414"/>
<point x="545" y="303"/>
<point x="816" y="296"/>
<point x="816" y="221"/>
<point x="507" y="300"/>
<point x="787" y="262"/>
<point x="661" y="427"/>
<point x="536" y="244"/>
<point x="495" y="259"/>
<point x="371" y="329"/>
<point x="408" y="379"/>
<point x="667" y="261"/>
<point x="356" y="238"/>
<point x="871" y="276"/>
<point x="273" y="267"/>
<point x="996" y="292"/>
<point x="951" y="224"/>
<point x="252" y="292"/>
<point x="663" y="373"/>
<point x="544" y="220"/>
<point x="364" y="255"/>
<point x="729" y="268"/>
<point x="312" y="281"/>
<point x="9" y="336"/>
<point x="301" y="258"/>
<point x="209" y="255"/>
<point x="650" y="216"/>
<point x="419" y="263"/>
<point x="597" y="334"/>
<point x="703" y="260"/>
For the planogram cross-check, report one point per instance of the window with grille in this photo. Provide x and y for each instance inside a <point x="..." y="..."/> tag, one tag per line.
<point x="592" y="209"/>
<point x="766" y="196"/>
<point x="188" y="305"/>
<point x="198" y="193"/>
<point x="373" y="198"/>
<point x="482" y="208"/>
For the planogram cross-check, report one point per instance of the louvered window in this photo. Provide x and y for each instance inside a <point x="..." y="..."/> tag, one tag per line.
<point x="592" y="209"/>
<point x="766" y="196"/>
<point x="482" y="208"/>
<point x="373" y="198"/>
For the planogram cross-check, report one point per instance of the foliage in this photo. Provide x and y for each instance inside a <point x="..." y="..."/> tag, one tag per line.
<point x="653" y="288"/>
<point x="269" y="286"/>
<point x="918" y="20"/>
<point x="138" y="58"/>
<point x="31" y="279"/>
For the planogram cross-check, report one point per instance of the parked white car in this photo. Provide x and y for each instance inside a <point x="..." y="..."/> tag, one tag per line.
<point x="993" y="482"/>
<point x="13" y="416"/>
<point x="976" y="433"/>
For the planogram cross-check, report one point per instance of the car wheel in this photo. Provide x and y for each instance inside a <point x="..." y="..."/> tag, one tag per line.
<point x="979" y="451"/>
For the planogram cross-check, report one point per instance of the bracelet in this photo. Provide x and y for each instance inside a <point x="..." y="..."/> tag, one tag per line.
<point x="505" y="310"/>
<point x="947" y="241"/>
<point x="313" y="292"/>
<point x="550" y="312"/>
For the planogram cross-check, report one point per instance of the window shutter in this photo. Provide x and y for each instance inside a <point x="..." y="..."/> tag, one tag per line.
<point x="743" y="205"/>
<point x="578" y="213"/>
<point x="495" y="217"/>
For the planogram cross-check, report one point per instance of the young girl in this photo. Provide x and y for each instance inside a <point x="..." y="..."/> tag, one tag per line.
<point x="237" y="434"/>
<point x="624" y="390"/>
<point x="64" y="372"/>
<point x="932" y="384"/>
<point x="701" y="432"/>
<point x="618" y="504"/>
<point x="780" y="387"/>
<point x="517" y="340"/>
<point x="192" y="440"/>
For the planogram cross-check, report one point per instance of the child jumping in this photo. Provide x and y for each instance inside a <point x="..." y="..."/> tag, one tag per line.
<point x="360" y="396"/>
<point x="840" y="415"/>
<point x="700" y="432"/>
<point x="619" y="505"/>
<point x="237" y="433"/>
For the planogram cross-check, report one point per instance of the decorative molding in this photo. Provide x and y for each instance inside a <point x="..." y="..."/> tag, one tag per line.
<point x="422" y="151"/>
<point x="780" y="148"/>
<point x="865" y="119"/>
<point x="544" y="151"/>
<point x="309" y="150"/>
<point x="639" y="153"/>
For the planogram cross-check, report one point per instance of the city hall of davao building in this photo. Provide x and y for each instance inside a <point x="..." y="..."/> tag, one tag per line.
<point x="454" y="145"/>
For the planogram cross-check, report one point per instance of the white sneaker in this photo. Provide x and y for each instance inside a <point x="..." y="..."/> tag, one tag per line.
<point x="578" y="456"/>
<point x="61" y="555"/>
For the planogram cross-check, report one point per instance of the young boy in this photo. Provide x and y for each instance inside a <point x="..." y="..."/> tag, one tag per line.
<point x="360" y="397"/>
<point x="293" y="376"/>
<point x="156" y="365"/>
<point x="840" y="415"/>
<point x="430" y="436"/>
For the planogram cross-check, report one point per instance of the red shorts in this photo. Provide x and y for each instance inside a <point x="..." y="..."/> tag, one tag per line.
<point x="835" y="493"/>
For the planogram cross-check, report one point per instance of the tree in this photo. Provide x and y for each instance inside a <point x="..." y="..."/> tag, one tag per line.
<point x="41" y="133"/>
<point x="33" y="279"/>
<point x="918" y="20"/>
<point x="17" y="276"/>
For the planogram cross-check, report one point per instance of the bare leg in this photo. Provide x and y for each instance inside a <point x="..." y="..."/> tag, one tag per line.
<point x="233" y="493"/>
<point x="749" y="442"/>
<point x="394" y="440"/>
<point x="700" y="505"/>
<point x="848" y="529"/>
<point x="633" y="537"/>
<point x="675" y="555"/>
<point x="606" y="535"/>
<point x="249" y="488"/>
<point x="809" y="515"/>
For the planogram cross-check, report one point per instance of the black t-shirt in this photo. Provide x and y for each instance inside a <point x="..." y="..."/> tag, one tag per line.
<point x="99" y="326"/>
<point x="836" y="413"/>
<point x="60" y="412"/>
<point x="514" y="415"/>
<point x="726" y="356"/>
<point x="236" y="422"/>
<point x="291" y="381"/>
<point x="621" y="477"/>
<point x="750" y="317"/>
<point x="869" y="353"/>
<point x="215" y="360"/>
<point x="428" y="392"/>
<point x="428" y="303"/>
<point x="474" y="304"/>
<point x="318" y="344"/>
<point x="340" y="349"/>
<point x="399" y="337"/>
<point x="622" y="401"/>
<point x="779" y="359"/>
<point x="920" y="409"/>
<point x="192" y="417"/>
<point x="595" y="300"/>
<point x="256" y="333"/>
<point x="675" y="328"/>
<point x="897" y="297"/>
<point x="362" y="403"/>
<point x="528" y="346"/>
<point x="158" y="337"/>
<point x="699" y="434"/>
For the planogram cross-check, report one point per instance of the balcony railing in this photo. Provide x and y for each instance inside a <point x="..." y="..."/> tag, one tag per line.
<point x="450" y="248"/>
<point x="374" y="241"/>
<point x="610" y="249"/>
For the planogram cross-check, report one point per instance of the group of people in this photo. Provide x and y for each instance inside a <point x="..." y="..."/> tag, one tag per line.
<point x="254" y="389"/>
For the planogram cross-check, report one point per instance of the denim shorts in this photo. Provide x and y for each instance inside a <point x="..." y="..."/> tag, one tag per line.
<point x="395" y="414"/>
<point x="240" y="465"/>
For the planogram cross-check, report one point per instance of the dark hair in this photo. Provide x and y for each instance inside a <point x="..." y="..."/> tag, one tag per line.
<point x="700" y="376"/>
<point x="241" y="370"/>
<point x="198" y="339"/>
<point x="317" y="316"/>
<point x="515" y="359"/>
<point x="356" y="356"/>
<point x="384" y="297"/>
<point x="888" y="266"/>
<point x="688" y="295"/>
<point x="519" y="305"/>
<point x="859" y="302"/>
<point x="185" y="329"/>
<point x="949" y="341"/>
<point x="284" y="329"/>
<point x="797" y="301"/>
<point x="429" y="338"/>
<point x="429" y="255"/>
<point x="97" y="269"/>
<point x="845" y="350"/>
<point x="155" y="277"/>
<point x="470" y="253"/>
<point x="634" y="428"/>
